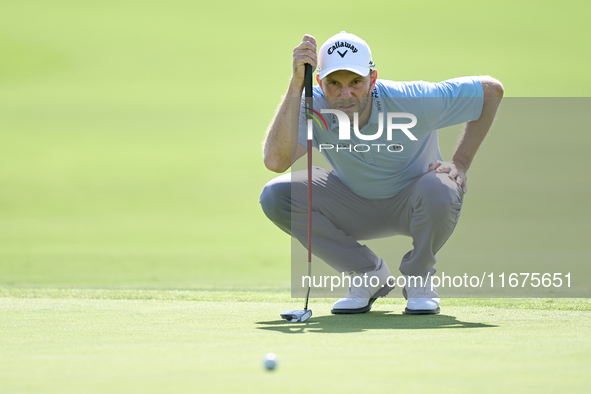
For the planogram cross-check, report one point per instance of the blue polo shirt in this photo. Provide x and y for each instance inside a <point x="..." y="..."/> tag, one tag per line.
<point x="381" y="168"/>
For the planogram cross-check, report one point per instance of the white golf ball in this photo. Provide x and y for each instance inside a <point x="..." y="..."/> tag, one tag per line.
<point x="270" y="361"/>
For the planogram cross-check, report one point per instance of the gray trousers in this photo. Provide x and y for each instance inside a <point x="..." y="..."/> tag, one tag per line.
<point x="426" y="210"/>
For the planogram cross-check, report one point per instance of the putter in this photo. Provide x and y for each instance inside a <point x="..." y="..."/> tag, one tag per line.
<point x="300" y="316"/>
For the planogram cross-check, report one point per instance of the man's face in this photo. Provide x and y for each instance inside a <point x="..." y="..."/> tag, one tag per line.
<point x="347" y="91"/>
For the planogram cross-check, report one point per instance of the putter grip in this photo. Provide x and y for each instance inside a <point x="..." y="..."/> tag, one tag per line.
<point x="308" y="79"/>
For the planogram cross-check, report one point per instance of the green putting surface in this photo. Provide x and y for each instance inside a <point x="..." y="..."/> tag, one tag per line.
<point x="96" y="341"/>
<point x="134" y="257"/>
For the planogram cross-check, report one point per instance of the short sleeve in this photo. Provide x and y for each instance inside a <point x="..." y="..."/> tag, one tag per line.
<point x="452" y="102"/>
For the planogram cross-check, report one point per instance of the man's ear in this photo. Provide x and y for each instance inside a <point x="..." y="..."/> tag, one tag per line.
<point x="319" y="82"/>
<point x="374" y="78"/>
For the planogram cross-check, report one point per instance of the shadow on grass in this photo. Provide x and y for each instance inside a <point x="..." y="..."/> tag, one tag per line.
<point x="368" y="321"/>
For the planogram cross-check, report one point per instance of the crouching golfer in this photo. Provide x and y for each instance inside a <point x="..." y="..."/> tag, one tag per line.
<point x="388" y="179"/>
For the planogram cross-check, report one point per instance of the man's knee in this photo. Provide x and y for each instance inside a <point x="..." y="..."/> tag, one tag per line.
<point x="275" y="199"/>
<point x="438" y="194"/>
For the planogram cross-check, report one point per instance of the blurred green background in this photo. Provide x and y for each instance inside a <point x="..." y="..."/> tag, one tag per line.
<point x="130" y="132"/>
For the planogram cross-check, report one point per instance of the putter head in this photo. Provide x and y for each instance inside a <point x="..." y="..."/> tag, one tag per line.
<point x="298" y="316"/>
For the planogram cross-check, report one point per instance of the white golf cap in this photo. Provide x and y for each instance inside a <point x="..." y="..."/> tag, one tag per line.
<point x="344" y="51"/>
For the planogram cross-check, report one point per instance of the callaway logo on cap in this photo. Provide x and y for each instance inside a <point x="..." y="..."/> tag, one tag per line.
<point x="344" y="51"/>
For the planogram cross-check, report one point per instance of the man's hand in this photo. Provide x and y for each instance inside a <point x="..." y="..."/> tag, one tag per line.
<point x="455" y="171"/>
<point x="302" y="54"/>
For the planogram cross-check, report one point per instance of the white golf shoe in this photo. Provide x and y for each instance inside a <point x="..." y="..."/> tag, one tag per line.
<point x="362" y="294"/>
<point x="421" y="295"/>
